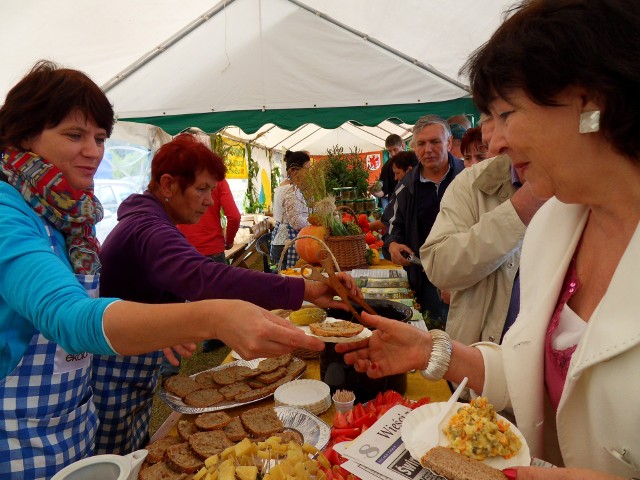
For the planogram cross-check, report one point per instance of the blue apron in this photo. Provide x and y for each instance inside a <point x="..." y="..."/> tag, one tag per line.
<point x="291" y="258"/>
<point x="48" y="419"/>
<point x="123" y="390"/>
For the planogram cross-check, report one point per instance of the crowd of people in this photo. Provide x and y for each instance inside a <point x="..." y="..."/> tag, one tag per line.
<point x="520" y="238"/>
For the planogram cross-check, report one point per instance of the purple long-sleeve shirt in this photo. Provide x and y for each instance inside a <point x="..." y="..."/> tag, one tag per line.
<point x="147" y="259"/>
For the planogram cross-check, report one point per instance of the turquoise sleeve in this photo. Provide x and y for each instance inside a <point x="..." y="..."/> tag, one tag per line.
<point x="38" y="290"/>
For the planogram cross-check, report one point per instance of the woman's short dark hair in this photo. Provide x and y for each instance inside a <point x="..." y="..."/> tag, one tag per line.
<point x="473" y="136"/>
<point x="45" y="96"/>
<point x="185" y="157"/>
<point x="404" y="160"/>
<point x="295" y="159"/>
<point x="546" y="46"/>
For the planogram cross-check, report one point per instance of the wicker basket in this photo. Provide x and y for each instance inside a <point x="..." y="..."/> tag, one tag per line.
<point x="350" y="251"/>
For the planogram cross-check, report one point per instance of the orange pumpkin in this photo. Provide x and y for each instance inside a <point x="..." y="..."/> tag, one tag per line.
<point x="308" y="248"/>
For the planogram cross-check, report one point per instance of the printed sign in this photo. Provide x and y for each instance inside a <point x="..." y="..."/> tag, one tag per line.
<point x="235" y="159"/>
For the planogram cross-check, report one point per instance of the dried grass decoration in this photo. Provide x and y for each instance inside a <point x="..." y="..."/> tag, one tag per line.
<point x="343" y="236"/>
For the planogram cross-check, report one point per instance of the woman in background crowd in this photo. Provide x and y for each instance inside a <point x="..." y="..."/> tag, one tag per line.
<point x="53" y="127"/>
<point x="289" y="210"/>
<point x="145" y="258"/>
<point x="564" y="96"/>
<point x="472" y="147"/>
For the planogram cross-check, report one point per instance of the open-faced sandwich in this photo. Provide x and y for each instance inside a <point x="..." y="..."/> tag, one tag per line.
<point x="336" y="328"/>
<point x="455" y="466"/>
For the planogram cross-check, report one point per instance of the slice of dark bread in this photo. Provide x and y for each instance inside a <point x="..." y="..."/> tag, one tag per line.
<point x="290" y="436"/>
<point x="261" y="422"/>
<point x="270" y="364"/>
<point x="182" y="459"/>
<point x="206" y="379"/>
<point x="181" y="385"/>
<point x="243" y="372"/>
<point x="255" y="384"/>
<point x="230" y="391"/>
<point x="212" y="420"/>
<point x="161" y="471"/>
<point x="204" y="398"/>
<point x="225" y="376"/>
<point x="205" y="444"/>
<point x="296" y="367"/>
<point x="455" y="466"/>
<point x="254" y="394"/>
<point x="186" y="429"/>
<point x="234" y="430"/>
<point x="158" y="448"/>
<point x="273" y="376"/>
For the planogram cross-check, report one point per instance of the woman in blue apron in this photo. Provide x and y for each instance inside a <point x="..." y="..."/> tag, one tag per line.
<point x="53" y="126"/>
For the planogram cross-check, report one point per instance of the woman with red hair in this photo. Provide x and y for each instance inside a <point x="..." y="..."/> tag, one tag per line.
<point x="147" y="259"/>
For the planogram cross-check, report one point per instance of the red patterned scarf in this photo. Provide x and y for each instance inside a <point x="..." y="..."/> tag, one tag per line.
<point x="73" y="212"/>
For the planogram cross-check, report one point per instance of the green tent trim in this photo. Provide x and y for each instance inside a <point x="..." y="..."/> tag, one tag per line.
<point x="251" y="121"/>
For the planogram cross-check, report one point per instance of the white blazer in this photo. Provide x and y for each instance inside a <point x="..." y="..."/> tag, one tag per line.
<point x="598" y="419"/>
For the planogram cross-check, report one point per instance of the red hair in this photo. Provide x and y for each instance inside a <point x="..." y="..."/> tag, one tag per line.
<point x="185" y="157"/>
<point x="473" y="136"/>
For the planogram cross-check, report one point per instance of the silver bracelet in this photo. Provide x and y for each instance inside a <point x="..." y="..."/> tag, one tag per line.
<point x="440" y="356"/>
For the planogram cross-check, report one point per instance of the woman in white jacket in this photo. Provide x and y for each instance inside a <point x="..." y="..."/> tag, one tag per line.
<point x="561" y="79"/>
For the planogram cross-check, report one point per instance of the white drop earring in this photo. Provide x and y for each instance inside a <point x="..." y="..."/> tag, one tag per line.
<point x="589" y="122"/>
<point x="166" y="199"/>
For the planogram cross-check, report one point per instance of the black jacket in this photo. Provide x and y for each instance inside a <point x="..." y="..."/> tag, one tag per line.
<point x="403" y="223"/>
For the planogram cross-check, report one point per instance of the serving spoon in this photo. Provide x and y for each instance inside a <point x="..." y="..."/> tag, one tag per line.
<point x="437" y="420"/>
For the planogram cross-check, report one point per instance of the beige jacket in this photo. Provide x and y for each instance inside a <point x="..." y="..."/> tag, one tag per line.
<point x="598" y="419"/>
<point x="473" y="250"/>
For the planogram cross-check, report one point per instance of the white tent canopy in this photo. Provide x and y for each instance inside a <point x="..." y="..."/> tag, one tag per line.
<point x="248" y="63"/>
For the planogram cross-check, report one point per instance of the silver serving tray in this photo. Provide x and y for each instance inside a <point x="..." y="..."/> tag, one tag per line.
<point x="178" y="405"/>
<point x="315" y="431"/>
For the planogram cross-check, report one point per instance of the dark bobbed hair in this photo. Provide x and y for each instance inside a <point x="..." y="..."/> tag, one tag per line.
<point x="295" y="159"/>
<point x="394" y="140"/>
<point x="546" y="46"/>
<point x="44" y="97"/>
<point x="185" y="157"/>
<point x="473" y="136"/>
<point x="404" y="160"/>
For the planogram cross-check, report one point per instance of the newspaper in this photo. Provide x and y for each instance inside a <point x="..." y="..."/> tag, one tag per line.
<point x="378" y="453"/>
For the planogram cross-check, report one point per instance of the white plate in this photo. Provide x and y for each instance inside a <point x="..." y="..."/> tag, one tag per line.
<point x="301" y="393"/>
<point x="178" y="405"/>
<point x="366" y="333"/>
<point x="419" y="440"/>
<point x="314" y="431"/>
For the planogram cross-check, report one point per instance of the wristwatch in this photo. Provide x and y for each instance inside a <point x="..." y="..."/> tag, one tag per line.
<point x="440" y="356"/>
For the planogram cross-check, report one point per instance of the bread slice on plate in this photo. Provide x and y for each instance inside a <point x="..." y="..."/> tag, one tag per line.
<point x="182" y="459"/>
<point x="270" y="364"/>
<point x="186" y="429"/>
<point x="234" y="430"/>
<point x="158" y="448"/>
<point x="181" y="385"/>
<point x="161" y="471"/>
<point x="230" y="391"/>
<point x="205" y="444"/>
<point x="204" y="398"/>
<point x="455" y="466"/>
<point x="261" y="422"/>
<point x="336" y="328"/>
<point x="212" y="420"/>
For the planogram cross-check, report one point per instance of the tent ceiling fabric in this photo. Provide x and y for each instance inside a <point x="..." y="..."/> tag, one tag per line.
<point x="257" y="61"/>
